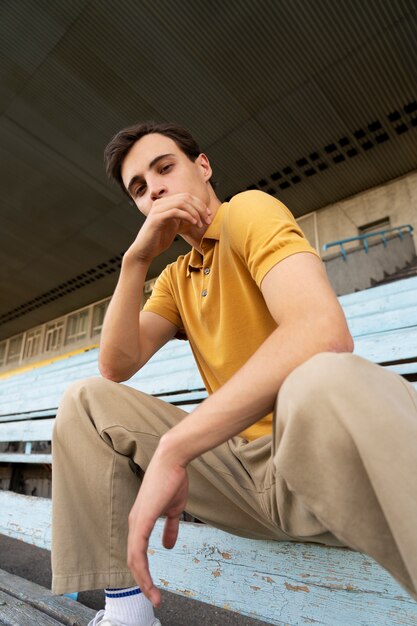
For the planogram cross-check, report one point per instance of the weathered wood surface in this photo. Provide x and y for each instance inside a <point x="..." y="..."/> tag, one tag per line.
<point x="26" y="518"/>
<point x="171" y="370"/>
<point x="394" y="345"/>
<point x="34" y="430"/>
<point x="17" y="457"/>
<point x="382" y="321"/>
<point x="14" y="612"/>
<point x="278" y="582"/>
<point x="23" y="603"/>
<point x="393" y="288"/>
<point x="380" y="303"/>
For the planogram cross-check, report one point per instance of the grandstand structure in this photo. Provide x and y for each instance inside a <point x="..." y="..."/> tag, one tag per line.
<point x="313" y="104"/>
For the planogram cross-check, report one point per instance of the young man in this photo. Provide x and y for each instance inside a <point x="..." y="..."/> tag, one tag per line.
<point x="298" y="439"/>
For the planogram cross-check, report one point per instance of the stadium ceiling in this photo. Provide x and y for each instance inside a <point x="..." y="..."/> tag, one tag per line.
<point x="310" y="101"/>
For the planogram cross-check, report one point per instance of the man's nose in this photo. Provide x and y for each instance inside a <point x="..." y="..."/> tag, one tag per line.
<point x="158" y="192"/>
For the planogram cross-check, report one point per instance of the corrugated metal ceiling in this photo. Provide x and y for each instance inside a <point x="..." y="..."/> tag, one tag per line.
<point x="267" y="86"/>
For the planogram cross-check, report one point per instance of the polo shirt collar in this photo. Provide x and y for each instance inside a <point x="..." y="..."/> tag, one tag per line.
<point x="212" y="232"/>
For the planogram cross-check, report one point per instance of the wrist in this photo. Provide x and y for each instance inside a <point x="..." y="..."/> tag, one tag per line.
<point x="133" y="258"/>
<point x="172" y="449"/>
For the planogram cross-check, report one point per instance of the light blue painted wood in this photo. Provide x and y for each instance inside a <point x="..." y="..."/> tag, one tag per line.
<point x="26" y="518"/>
<point x="390" y="302"/>
<point x="170" y="370"/>
<point x="32" y="430"/>
<point x="393" y="345"/>
<point x="404" y="368"/>
<point x="28" y="415"/>
<point x="22" y="396"/>
<point x="178" y="398"/>
<point x="382" y="322"/>
<point x="278" y="582"/>
<point x="17" y="457"/>
<point x="395" y="287"/>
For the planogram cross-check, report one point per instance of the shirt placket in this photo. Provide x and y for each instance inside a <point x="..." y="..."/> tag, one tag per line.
<point x="206" y="270"/>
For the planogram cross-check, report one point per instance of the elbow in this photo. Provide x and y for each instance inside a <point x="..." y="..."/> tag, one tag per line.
<point x="115" y="374"/>
<point x="341" y="342"/>
<point x="109" y="373"/>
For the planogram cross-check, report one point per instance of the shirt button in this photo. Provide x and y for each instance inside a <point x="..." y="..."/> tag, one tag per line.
<point x="207" y="270"/>
<point x="204" y="293"/>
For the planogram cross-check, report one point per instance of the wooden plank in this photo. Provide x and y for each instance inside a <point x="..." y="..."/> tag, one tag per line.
<point x="187" y="396"/>
<point x="404" y="368"/>
<point x="16" y="457"/>
<point x="28" y="415"/>
<point x="394" y="345"/>
<point x="279" y="582"/>
<point x="33" y="430"/>
<point x="382" y="322"/>
<point x="26" y="518"/>
<point x="390" y="302"/>
<point x="174" y="369"/>
<point x="14" y="612"/>
<point x="398" y="286"/>
<point x="60" y="608"/>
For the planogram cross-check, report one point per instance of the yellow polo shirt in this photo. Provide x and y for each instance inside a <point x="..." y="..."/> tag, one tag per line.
<point x="215" y="299"/>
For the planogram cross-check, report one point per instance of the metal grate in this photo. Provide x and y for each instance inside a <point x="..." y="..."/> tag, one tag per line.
<point x="374" y="134"/>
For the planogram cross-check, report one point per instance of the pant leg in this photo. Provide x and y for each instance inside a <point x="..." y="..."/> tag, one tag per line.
<point x="346" y="457"/>
<point x="93" y="485"/>
<point x="101" y="427"/>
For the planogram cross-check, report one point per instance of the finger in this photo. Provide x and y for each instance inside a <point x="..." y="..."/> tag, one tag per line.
<point x="170" y="534"/>
<point x="198" y="214"/>
<point x="139" y="566"/>
<point x="187" y="202"/>
<point x="172" y="213"/>
<point x="203" y="210"/>
<point x="181" y="214"/>
<point x="137" y="557"/>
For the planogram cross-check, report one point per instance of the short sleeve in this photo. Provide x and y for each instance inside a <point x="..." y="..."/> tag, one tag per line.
<point x="161" y="300"/>
<point x="263" y="232"/>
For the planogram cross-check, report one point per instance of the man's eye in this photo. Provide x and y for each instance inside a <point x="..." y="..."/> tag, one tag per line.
<point x="166" y="168"/>
<point x="139" y="190"/>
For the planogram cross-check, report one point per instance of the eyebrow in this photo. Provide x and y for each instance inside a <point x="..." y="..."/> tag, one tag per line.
<point x="140" y="179"/>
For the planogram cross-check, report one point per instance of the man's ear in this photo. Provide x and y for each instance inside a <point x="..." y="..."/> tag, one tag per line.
<point x="204" y="164"/>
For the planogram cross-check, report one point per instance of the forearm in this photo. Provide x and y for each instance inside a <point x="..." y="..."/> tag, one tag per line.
<point x="120" y="341"/>
<point x="251" y="393"/>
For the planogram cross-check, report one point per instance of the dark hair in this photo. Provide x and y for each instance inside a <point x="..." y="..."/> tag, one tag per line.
<point x="119" y="146"/>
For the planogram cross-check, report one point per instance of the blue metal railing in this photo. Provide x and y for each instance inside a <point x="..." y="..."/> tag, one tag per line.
<point x="364" y="238"/>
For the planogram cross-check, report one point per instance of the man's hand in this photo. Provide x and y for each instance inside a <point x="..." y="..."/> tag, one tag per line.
<point x="164" y="491"/>
<point x="168" y="217"/>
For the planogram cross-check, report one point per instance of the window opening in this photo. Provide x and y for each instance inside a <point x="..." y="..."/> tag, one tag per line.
<point x="99" y="312"/>
<point x="77" y="326"/>
<point x="53" y="336"/>
<point x="33" y="343"/>
<point x="15" y="349"/>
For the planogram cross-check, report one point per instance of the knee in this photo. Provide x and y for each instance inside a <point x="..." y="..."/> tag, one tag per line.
<point x="81" y="389"/>
<point x="77" y="398"/>
<point x="321" y="378"/>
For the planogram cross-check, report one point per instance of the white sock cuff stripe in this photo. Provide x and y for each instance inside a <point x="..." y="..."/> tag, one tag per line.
<point x="122" y="593"/>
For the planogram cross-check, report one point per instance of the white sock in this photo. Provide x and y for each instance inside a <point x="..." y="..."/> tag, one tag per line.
<point x="128" y="606"/>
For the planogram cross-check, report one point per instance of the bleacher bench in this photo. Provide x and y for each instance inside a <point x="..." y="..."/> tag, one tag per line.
<point x="277" y="582"/>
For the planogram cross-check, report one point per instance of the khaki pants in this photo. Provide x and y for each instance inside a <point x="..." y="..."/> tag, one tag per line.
<point x="340" y="469"/>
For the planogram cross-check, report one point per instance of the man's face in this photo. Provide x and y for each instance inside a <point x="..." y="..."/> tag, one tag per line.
<point x="157" y="167"/>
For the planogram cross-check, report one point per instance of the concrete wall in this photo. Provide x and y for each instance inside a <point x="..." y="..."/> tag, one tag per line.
<point x="362" y="269"/>
<point x="396" y="199"/>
